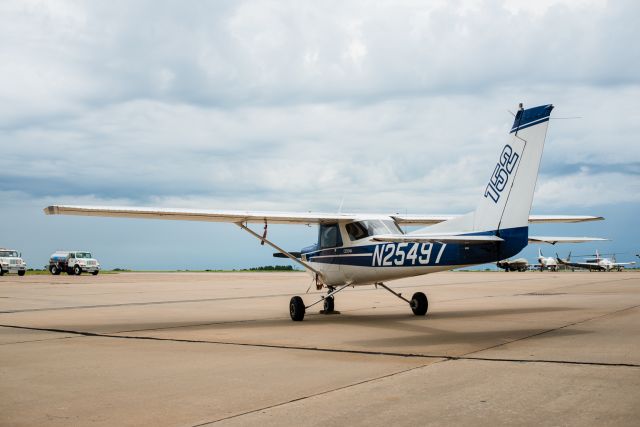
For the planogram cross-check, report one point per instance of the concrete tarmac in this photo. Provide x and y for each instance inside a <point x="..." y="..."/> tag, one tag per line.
<point x="192" y="349"/>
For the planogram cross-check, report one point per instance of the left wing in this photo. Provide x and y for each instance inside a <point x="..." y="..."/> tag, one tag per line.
<point x="553" y="240"/>
<point x="200" y="214"/>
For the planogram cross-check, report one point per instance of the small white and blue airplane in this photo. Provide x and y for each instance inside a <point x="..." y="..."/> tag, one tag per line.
<point x="362" y="249"/>
<point x="598" y="263"/>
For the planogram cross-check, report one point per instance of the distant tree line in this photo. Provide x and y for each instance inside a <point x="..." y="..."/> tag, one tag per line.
<point x="273" y="268"/>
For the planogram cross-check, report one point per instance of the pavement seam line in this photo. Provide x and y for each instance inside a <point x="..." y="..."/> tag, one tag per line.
<point x="82" y="307"/>
<point x="553" y="330"/>
<point x="321" y="393"/>
<point x="329" y="350"/>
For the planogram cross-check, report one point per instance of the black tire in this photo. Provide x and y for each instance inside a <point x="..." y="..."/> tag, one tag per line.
<point x="419" y="304"/>
<point x="53" y="269"/>
<point x="95" y="273"/>
<point x="21" y="272"/>
<point x="77" y="270"/>
<point x="329" y="304"/>
<point x="296" y="309"/>
<point x="1" y="272"/>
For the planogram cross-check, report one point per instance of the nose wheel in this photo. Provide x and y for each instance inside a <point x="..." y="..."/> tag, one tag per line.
<point x="328" y="305"/>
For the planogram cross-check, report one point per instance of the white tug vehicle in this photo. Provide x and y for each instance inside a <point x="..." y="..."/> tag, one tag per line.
<point x="11" y="262"/>
<point x="73" y="262"/>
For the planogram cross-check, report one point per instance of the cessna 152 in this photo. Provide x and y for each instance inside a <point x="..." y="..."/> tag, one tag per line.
<point x="359" y="249"/>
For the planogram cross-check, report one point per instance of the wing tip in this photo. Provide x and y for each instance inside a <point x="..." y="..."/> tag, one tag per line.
<point x="51" y="210"/>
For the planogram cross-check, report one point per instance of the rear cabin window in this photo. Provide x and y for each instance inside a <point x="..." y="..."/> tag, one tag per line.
<point x="361" y="229"/>
<point x="329" y="236"/>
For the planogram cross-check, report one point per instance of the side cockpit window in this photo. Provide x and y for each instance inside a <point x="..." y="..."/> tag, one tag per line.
<point x="329" y="236"/>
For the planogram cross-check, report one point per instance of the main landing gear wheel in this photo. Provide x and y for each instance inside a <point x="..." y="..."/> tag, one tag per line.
<point x="296" y="309"/>
<point x="328" y="305"/>
<point x="419" y="304"/>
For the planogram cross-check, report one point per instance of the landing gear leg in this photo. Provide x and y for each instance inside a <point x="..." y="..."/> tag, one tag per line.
<point x="419" y="303"/>
<point x="297" y="307"/>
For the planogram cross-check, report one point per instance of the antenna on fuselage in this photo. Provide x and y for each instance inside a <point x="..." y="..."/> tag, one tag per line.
<point x="341" y="203"/>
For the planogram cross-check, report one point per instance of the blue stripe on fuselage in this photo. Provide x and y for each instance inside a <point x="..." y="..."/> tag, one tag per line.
<point x="425" y="254"/>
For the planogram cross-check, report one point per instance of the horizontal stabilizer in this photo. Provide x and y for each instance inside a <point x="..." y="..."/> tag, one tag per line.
<point x="554" y="239"/>
<point x="436" y="238"/>
<point x="533" y="219"/>
<point x="281" y="255"/>
<point x="538" y="219"/>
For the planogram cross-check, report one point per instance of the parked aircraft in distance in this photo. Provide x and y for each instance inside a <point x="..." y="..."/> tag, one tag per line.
<point x="519" y="264"/>
<point x="594" y="264"/>
<point x="371" y="249"/>
<point x="547" y="263"/>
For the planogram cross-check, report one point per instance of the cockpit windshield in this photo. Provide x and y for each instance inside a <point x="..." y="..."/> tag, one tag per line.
<point x="12" y="254"/>
<point x="361" y="229"/>
<point x="83" y="254"/>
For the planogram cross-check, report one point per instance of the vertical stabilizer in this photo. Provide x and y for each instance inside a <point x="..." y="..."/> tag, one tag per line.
<point x="507" y="197"/>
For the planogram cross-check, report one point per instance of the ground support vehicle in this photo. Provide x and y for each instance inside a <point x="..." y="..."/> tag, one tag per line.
<point x="73" y="263"/>
<point x="11" y="262"/>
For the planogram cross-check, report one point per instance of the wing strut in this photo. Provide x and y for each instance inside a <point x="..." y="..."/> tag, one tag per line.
<point x="263" y="239"/>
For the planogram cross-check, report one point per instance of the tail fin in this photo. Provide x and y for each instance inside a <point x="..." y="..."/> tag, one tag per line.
<point x="506" y="200"/>
<point x="539" y="253"/>
<point x="507" y="197"/>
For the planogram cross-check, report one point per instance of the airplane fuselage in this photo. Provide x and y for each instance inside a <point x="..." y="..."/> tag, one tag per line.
<point x="364" y="261"/>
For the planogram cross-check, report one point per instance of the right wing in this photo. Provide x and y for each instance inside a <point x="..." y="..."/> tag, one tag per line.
<point x="554" y="239"/>
<point x="436" y="238"/>
<point x="426" y="220"/>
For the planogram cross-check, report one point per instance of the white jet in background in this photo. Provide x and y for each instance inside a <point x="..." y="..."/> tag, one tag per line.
<point x="547" y="263"/>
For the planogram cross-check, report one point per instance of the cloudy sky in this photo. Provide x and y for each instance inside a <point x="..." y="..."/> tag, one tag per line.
<point x="391" y="106"/>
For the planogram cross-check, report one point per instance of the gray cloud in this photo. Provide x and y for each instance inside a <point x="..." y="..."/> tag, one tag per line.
<point x="395" y="106"/>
